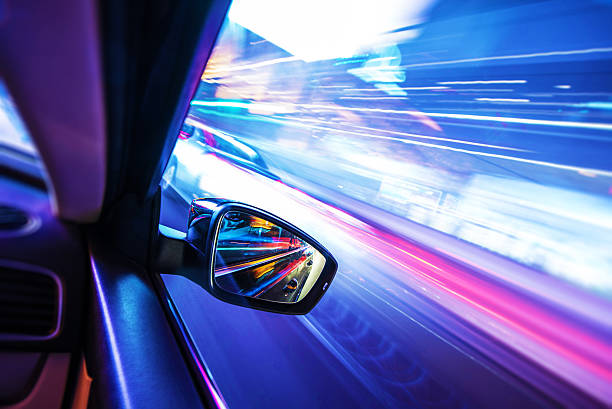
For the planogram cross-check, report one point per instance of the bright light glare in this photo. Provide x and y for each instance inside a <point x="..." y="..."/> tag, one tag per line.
<point x="13" y="132"/>
<point x="320" y="29"/>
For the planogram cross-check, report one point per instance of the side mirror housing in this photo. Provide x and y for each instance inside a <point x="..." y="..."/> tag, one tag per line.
<point x="249" y="257"/>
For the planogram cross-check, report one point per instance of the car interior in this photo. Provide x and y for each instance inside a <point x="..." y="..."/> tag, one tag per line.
<point x="58" y="300"/>
<point x="108" y="302"/>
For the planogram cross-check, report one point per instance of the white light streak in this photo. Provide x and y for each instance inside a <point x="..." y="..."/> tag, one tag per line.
<point x="503" y="119"/>
<point x="373" y="98"/>
<point x="402" y="88"/>
<point x="498" y="156"/>
<point x="482" y="90"/>
<point x="502" y="99"/>
<point x="482" y="82"/>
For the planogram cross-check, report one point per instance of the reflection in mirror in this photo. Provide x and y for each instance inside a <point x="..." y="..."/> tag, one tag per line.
<point x="257" y="258"/>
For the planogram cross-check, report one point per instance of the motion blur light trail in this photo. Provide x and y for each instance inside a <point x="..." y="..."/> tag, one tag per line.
<point x="505" y="119"/>
<point x="582" y="354"/>
<point x="471" y="152"/>
<point x="455" y="158"/>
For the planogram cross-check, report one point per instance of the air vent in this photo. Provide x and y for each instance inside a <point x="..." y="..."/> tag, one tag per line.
<point x="29" y="304"/>
<point x="12" y="218"/>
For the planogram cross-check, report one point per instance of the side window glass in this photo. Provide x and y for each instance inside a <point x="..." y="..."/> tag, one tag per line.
<point x="453" y="156"/>
<point x="469" y="120"/>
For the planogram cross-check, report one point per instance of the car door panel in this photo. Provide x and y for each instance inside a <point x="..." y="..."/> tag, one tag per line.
<point x="133" y="353"/>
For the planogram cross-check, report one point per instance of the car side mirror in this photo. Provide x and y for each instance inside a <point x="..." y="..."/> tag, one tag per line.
<point x="249" y="257"/>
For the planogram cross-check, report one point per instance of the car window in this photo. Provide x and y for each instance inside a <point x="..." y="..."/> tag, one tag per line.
<point x="16" y="146"/>
<point x="482" y="130"/>
<point x="479" y="142"/>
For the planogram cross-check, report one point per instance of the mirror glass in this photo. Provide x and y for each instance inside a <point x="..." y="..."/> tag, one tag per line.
<point x="257" y="258"/>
